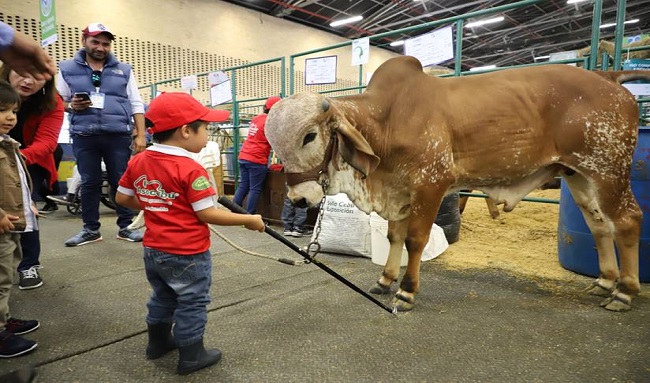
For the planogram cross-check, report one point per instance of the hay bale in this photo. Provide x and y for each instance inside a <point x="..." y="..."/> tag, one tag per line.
<point x="437" y="70"/>
<point x="608" y="46"/>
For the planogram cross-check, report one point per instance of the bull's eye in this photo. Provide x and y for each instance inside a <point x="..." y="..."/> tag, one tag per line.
<point x="309" y="138"/>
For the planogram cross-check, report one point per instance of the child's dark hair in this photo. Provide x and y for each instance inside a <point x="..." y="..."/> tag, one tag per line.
<point x="8" y="95"/>
<point x="164" y="136"/>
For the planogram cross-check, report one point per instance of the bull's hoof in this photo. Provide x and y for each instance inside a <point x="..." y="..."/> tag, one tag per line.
<point x="600" y="290"/>
<point x="403" y="303"/>
<point x="618" y="302"/>
<point x="379" y="289"/>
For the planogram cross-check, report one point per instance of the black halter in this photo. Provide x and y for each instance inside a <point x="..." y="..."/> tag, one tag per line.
<point x="315" y="173"/>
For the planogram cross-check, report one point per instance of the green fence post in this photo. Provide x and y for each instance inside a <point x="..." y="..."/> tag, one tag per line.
<point x="595" y="34"/>
<point x="605" y="64"/>
<point x="235" y="129"/>
<point x="618" y="36"/>
<point x="283" y="78"/>
<point x="291" y="75"/>
<point x="360" y="78"/>
<point x="459" y="47"/>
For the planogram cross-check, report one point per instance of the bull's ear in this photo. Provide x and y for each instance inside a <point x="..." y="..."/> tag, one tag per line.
<point x="355" y="150"/>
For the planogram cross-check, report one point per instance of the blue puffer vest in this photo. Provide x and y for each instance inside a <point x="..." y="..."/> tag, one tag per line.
<point x="115" y="118"/>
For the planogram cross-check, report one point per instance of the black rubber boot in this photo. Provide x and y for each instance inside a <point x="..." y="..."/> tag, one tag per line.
<point x="161" y="340"/>
<point x="195" y="357"/>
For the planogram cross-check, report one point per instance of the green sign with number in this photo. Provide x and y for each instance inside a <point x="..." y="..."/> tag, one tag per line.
<point x="48" y="23"/>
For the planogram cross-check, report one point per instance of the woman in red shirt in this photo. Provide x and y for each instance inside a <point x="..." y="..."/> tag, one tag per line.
<point x="253" y="160"/>
<point x="39" y="122"/>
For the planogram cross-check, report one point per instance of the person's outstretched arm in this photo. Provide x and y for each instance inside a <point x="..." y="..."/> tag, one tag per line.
<point x="225" y="218"/>
<point x="24" y="55"/>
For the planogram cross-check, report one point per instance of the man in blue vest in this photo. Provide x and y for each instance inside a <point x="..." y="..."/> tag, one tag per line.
<point x="106" y="124"/>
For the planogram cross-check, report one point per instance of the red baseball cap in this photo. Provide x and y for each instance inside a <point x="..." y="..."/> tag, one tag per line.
<point x="95" y="29"/>
<point x="271" y="101"/>
<point x="171" y="110"/>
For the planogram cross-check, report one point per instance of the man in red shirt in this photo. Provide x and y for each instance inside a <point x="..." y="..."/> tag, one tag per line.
<point x="253" y="160"/>
<point x="176" y="196"/>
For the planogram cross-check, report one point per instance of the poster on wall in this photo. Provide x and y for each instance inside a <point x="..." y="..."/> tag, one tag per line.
<point x="220" y="88"/>
<point x="360" y="51"/>
<point x="320" y="70"/>
<point x="431" y="48"/>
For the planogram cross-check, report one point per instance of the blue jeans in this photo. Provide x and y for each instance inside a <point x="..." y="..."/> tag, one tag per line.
<point x="115" y="150"/>
<point x="251" y="182"/>
<point x="293" y="216"/>
<point x="181" y="292"/>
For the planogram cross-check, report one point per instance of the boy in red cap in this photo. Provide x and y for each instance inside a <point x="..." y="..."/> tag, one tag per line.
<point x="176" y="196"/>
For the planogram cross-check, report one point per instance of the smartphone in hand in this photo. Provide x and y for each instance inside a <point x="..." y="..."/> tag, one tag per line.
<point x="82" y="95"/>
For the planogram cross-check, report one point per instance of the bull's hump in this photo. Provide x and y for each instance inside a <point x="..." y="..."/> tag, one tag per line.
<point x="395" y="71"/>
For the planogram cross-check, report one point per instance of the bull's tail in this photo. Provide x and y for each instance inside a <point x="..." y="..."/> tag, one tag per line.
<point x="622" y="76"/>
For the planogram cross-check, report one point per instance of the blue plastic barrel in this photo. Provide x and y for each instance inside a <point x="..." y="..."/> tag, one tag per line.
<point x="576" y="246"/>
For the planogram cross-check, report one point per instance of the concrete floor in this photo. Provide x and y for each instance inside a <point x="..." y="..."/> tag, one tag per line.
<point x="281" y="323"/>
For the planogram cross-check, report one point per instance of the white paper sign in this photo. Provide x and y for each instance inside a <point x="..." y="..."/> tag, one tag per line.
<point x="218" y="77"/>
<point x="220" y="88"/>
<point x="190" y="82"/>
<point x="431" y="48"/>
<point x="556" y="56"/>
<point x="369" y="76"/>
<point x="360" y="51"/>
<point x="220" y="93"/>
<point x="320" y="70"/>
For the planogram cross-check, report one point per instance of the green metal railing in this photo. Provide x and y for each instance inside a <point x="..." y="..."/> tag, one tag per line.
<point x="240" y="106"/>
<point x="459" y="20"/>
<point x="237" y="106"/>
<point x="528" y="199"/>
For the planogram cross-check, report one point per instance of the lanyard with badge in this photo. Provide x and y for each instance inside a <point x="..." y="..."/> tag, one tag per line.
<point x="96" y="97"/>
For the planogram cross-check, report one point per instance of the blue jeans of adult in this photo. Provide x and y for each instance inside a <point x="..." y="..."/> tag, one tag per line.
<point x="251" y="182"/>
<point x="181" y="292"/>
<point x="293" y="216"/>
<point x="115" y="151"/>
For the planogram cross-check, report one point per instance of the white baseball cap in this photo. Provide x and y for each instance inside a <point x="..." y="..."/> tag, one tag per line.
<point x="95" y="29"/>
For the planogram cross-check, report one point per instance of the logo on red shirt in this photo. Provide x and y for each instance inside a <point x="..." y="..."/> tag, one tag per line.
<point x="153" y="188"/>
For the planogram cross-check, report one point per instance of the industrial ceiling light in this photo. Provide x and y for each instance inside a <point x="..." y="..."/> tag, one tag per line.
<point x="541" y="57"/>
<point x="576" y="1"/>
<point x="346" y="21"/>
<point x="397" y="43"/>
<point x="477" y="68"/>
<point x="483" y="22"/>
<point x="613" y="24"/>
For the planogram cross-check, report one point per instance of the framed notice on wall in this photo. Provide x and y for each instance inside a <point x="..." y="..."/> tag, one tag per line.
<point x="320" y="70"/>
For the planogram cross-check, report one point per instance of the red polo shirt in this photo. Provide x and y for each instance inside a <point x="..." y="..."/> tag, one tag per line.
<point x="170" y="187"/>
<point x="256" y="147"/>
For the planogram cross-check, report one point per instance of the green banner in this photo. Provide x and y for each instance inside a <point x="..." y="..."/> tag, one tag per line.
<point x="48" y="23"/>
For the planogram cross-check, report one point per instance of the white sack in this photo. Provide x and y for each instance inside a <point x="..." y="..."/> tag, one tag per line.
<point x="344" y="228"/>
<point x="380" y="246"/>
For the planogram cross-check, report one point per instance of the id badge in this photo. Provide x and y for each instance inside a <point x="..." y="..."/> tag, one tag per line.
<point x="97" y="100"/>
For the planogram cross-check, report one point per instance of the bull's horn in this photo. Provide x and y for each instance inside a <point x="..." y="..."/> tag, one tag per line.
<point x="326" y="105"/>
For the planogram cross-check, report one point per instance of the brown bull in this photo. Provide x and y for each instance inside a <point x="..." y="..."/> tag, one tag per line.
<point x="409" y="139"/>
